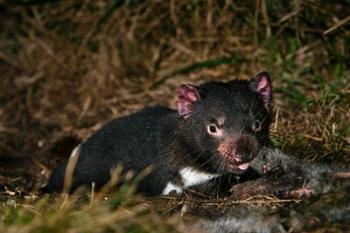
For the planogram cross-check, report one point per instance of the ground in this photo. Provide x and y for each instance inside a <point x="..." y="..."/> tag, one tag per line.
<point x="68" y="68"/>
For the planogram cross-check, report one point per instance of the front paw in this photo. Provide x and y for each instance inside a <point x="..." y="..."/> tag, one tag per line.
<point x="303" y="192"/>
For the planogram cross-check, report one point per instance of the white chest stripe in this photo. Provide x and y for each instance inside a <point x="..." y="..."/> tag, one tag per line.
<point x="172" y="187"/>
<point x="191" y="176"/>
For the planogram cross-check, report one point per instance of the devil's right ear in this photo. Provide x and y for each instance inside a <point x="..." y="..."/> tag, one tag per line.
<point x="187" y="95"/>
<point x="261" y="83"/>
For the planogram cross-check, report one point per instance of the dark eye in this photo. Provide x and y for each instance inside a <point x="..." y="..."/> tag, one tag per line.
<point x="256" y="126"/>
<point x="214" y="130"/>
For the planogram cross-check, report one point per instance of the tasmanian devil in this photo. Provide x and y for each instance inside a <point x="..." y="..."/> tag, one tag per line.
<point x="216" y="131"/>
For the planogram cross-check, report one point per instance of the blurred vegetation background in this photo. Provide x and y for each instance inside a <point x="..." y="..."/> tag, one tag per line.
<point x="67" y="67"/>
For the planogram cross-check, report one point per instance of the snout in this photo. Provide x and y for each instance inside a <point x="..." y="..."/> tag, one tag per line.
<point x="238" y="151"/>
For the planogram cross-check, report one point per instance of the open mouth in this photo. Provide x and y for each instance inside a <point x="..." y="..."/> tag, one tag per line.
<point x="237" y="165"/>
<point x="237" y="162"/>
<point x="242" y="166"/>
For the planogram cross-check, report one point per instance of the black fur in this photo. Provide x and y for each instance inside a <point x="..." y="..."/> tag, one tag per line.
<point x="160" y="137"/>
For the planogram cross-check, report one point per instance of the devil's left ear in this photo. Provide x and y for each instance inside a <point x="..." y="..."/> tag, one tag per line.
<point x="261" y="83"/>
<point x="188" y="95"/>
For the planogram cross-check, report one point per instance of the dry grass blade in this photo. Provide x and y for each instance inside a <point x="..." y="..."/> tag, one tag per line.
<point x="337" y="25"/>
<point x="68" y="176"/>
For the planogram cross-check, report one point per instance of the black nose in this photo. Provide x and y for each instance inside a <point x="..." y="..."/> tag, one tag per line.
<point x="246" y="148"/>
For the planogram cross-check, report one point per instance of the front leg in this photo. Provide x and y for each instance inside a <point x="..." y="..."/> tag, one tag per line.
<point x="217" y="187"/>
<point x="221" y="186"/>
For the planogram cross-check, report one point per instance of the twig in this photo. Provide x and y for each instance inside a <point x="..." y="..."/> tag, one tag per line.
<point x="342" y="175"/>
<point x="339" y="24"/>
<point x="210" y="63"/>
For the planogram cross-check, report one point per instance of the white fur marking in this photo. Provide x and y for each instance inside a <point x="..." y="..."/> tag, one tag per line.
<point x="172" y="187"/>
<point x="191" y="176"/>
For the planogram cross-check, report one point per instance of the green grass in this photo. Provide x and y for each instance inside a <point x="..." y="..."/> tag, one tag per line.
<point x="119" y="211"/>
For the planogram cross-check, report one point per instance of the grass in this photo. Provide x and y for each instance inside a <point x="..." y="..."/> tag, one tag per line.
<point x="69" y="214"/>
<point x="69" y="67"/>
<point x="109" y="210"/>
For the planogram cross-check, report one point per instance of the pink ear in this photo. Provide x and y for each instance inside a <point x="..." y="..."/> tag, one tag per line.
<point x="262" y="84"/>
<point x="187" y="96"/>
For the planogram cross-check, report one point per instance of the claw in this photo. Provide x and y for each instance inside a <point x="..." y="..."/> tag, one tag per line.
<point x="299" y="193"/>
